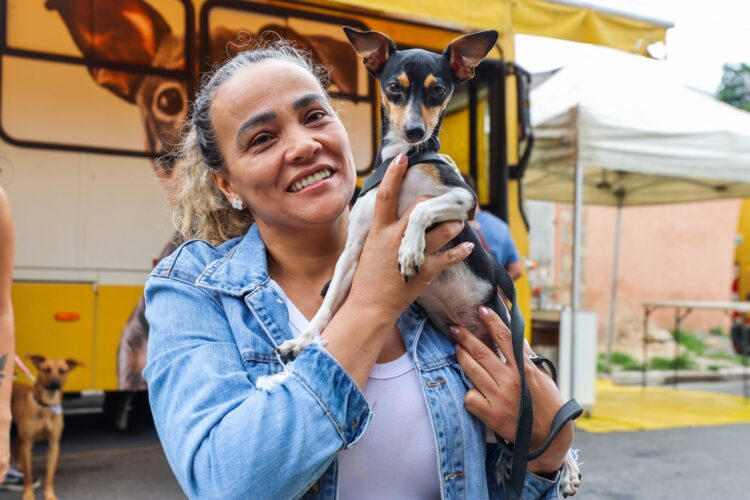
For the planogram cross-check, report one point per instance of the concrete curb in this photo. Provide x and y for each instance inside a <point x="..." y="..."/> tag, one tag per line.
<point x="659" y="377"/>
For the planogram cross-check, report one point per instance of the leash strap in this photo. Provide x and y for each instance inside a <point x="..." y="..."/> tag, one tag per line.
<point x="546" y="364"/>
<point x="374" y="179"/>
<point x="512" y="463"/>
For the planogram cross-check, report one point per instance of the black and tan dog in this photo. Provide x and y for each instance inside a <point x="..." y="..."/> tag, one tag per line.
<point x="37" y="415"/>
<point x="416" y="86"/>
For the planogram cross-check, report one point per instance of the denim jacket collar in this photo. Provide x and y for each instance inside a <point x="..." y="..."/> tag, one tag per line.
<point x="243" y="269"/>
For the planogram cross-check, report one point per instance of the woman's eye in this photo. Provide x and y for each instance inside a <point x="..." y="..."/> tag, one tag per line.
<point x="393" y="88"/>
<point x="261" y="139"/>
<point x="438" y="90"/>
<point x="316" y="116"/>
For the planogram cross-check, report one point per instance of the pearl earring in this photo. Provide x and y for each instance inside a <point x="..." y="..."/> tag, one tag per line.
<point x="237" y="204"/>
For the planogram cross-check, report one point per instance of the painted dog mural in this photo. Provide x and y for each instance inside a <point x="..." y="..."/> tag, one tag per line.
<point x="134" y="32"/>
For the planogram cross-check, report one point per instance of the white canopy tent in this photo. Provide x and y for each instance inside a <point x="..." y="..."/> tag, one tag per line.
<point x="618" y="129"/>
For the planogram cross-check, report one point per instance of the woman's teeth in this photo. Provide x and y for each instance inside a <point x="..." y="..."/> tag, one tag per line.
<point x="310" y="179"/>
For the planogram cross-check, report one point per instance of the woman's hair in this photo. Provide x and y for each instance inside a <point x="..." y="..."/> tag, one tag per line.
<point x="200" y="208"/>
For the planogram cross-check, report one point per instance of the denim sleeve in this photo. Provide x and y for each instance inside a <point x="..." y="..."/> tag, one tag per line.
<point x="223" y="436"/>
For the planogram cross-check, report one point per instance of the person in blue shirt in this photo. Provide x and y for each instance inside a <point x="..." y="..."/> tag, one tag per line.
<point x="495" y="233"/>
<point x="267" y="175"/>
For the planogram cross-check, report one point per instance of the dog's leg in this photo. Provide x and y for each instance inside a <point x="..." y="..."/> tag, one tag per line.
<point x="53" y="454"/>
<point x="570" y="478"/>
<point x="25" y="460"/>
<point x="343" y="274"/>
<point x="453" y="205"/>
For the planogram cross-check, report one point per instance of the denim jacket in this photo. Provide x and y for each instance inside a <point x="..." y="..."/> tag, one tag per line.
<point x="215" y="322"/>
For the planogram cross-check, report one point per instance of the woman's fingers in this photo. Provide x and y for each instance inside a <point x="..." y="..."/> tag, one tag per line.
<point x="386" y="202"/>
<point x="500" y="333"/>
<point x="479" y="353"/>
<point x="435" y="264"/>
<point x="478" y="405"/>
<point x="437" y="237"/>
<point x="477" y="373"/>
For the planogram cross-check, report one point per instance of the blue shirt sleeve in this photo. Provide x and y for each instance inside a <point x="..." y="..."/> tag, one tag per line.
<point x="497" y="234"/>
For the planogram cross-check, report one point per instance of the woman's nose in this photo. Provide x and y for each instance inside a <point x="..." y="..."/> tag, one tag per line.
<point x="302" y="146"/>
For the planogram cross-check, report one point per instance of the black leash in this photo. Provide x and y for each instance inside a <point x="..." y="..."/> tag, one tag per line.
<point x="511" y="466"/>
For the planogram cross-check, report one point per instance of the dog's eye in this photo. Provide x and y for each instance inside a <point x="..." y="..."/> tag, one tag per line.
<point x="438" y="90"/>
<point x="393" y="88"/>
<point x="169" y="101"/>
<point x="47" y="371"/>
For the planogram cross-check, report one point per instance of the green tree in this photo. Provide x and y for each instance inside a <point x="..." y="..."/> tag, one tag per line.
<point x="735" y="86"/>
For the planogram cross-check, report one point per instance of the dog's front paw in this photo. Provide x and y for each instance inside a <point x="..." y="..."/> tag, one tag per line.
<point x="411" y="255"/>
<point x="50" y="496"/>
<point x="570" y="479"/>
<point x="293" y="346"/>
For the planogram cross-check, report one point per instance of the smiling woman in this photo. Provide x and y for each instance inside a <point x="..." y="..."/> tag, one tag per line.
<point x="268" y="172"/>
<point x="201" y="211"/>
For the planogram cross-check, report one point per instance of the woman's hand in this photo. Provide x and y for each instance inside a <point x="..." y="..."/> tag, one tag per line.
<point x="378" y="281"/>
<point x="496" y="395"/>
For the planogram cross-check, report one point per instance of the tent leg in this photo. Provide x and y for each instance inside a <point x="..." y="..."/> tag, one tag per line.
<point x="613" y="291"/>
<point x="575" y="299"/>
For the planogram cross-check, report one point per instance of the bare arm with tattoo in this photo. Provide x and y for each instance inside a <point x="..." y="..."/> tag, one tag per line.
<point x="7" y="336"/>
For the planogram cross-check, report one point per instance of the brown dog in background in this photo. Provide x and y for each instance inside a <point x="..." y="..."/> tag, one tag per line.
<point x="37" y="414"/>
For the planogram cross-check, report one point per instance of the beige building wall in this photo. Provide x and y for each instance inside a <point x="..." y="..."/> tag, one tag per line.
<point x="668" y="252"/>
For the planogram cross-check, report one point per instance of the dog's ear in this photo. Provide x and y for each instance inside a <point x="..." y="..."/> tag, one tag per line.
<point x="36" y="359"/>
<point x="72" y="363"/>
<point x="123" y="31"/>
<point x="375" y="47"/>
<point x="466" y="52"/>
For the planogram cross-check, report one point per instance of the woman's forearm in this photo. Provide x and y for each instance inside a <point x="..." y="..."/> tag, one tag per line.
<point x="356" y="335"/>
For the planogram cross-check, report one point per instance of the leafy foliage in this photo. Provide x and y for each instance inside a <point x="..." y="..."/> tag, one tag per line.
<point x="690" y="341"/>
<point x="735" y="86"/>
<point x="619" y="361"/>
<point x="681" y="362"/>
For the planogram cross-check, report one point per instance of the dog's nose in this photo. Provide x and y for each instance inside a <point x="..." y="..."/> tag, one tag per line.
<point x="415" y="132"/>
<point x="53" y="385"/>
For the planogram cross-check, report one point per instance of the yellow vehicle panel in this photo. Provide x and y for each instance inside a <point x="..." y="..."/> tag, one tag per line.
<point x="742" y="252"/>
<point x="57" y="320"/>
<point x="115" y="303"/>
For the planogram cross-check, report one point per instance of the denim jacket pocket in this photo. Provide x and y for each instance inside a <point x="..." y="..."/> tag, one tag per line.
<point x="261" y="364"/>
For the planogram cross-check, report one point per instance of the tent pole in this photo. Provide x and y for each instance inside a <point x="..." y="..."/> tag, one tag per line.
<point x="613" y="291"/>
<point x="575" y="299"/>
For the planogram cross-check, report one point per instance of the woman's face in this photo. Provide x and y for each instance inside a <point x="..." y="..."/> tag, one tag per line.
<point x="287" y="154"/>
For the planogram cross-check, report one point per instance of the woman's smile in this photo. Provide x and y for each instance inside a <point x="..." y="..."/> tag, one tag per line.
<point x="311" y="179"/>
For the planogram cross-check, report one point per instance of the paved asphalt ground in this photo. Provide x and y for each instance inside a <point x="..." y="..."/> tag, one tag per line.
<point x="98" y="462"/>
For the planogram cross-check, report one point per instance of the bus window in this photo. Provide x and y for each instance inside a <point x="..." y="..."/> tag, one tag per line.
<point x="102" y="78"/>
<point x="467" y="129"/>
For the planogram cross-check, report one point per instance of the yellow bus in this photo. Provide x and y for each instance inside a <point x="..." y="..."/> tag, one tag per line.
<point x="93" y="95"/>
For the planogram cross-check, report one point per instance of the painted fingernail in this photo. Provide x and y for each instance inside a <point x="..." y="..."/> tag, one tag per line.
<point x="470" y="246"/>
<point x="400" y="159"/>
<point x="454" y="330"/>
<point x="458" y="347"/>
<point x="483" y="311"/>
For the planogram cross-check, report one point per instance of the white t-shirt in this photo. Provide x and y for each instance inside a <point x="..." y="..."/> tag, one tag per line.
<point x="396" y="458"/>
